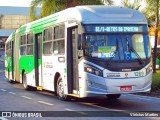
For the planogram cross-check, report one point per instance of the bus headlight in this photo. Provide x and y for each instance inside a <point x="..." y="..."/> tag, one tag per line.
<point x="93" y="70"/>
<point x="149" y="69"/>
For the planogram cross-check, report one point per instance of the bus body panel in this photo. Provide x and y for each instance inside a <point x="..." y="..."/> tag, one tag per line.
<point x="93" y="85"/>
<point x="50" y="67"/>
<point x="113" y="86"/>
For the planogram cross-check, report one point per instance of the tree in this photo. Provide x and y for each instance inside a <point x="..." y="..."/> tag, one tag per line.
<point x="51" y="6"/>
<point x="47" y="7"/>
<point x="152" y="14"/>
<point x="135" y="5"/>
<point x="108" y="2"/>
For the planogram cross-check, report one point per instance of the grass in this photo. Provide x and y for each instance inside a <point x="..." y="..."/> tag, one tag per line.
<point x="156" y="81"/>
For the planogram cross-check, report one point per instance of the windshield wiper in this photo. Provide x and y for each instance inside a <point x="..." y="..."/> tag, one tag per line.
<point x="131" y="49"/>
<point x="114" y="54"/>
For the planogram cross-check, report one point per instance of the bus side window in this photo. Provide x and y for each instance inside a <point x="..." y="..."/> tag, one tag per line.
<point x="61" y="47"/>
<point x="47" y="41"/>
<point x="30" y="44"/>
<point x="23" y="50"/>
<point x="8" y="49"/>
<point x="47" y="48"/>
<point x="58" y="43"/>
<point x="58" y="47"/>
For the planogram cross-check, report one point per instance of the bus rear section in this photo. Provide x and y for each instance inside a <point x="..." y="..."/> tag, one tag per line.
<point x="9" y="57"/>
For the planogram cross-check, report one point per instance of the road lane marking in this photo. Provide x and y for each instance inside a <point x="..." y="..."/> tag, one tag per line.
<point x="2" y="118"/>
<point x="101" y="107"/>
<point x="3" y="90"/>
<point x="12" y="93"/>
<point x="143" y="98"/>
<point x="80" y="112"/>
<point x="46" y="103"/>
<point x="68" y="109"/>
<point x="26" y="97"/>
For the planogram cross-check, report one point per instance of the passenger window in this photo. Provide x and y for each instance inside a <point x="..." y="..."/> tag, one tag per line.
<point x="23" y="50"/>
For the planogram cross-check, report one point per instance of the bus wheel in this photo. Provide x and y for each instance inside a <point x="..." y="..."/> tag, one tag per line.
<point x="11" y="81"/>
<point x="25" y="82"/>
<point x="113" y="96"/>
<point x="60" y="90"/>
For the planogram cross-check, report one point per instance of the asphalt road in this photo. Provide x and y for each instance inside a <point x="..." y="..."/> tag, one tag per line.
<point x="19" y="102"/>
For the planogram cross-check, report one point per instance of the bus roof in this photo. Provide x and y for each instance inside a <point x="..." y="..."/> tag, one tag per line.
<point x="91" y="14"/>
<point x="11" y="37"/>
<point x="109" y="14"/>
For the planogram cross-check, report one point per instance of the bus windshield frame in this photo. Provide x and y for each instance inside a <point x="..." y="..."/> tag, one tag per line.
<point x="117" y="42"/>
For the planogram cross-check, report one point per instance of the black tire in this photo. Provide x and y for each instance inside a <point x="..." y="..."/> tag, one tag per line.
<point x="113" y="96"/>
<point x="60" y="90"/>
<point x="24" y="79"/>
<point x="11" y="81"/>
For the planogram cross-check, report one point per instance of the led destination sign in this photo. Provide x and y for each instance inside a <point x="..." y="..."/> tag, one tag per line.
<point x="115" y="28"/>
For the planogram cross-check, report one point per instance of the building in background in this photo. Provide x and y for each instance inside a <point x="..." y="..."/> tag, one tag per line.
<point x="11" y="18"/>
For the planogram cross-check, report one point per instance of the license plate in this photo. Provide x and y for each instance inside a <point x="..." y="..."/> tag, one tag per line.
<point x="126" y="88"/>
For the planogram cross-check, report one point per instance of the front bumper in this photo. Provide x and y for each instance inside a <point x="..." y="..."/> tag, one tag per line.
<point x="96" y="85"/>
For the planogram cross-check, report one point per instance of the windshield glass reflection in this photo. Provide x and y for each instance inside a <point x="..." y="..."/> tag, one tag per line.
<point x="118" y="46"/>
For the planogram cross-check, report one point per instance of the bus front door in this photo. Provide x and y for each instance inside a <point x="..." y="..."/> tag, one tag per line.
<point x="38" y="60"/>
<point x="72" y="58"/>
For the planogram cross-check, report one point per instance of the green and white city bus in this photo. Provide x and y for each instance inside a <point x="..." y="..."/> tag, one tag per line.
<point x="83" y="51"/>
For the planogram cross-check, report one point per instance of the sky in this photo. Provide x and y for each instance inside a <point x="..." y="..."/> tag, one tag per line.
<point x="26" y="3"/>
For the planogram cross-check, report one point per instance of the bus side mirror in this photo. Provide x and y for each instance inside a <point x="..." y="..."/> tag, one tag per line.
<point x="80" y="43"/>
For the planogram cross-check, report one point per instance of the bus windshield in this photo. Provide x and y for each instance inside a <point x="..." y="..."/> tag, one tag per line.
<point x="118" y="45"/>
